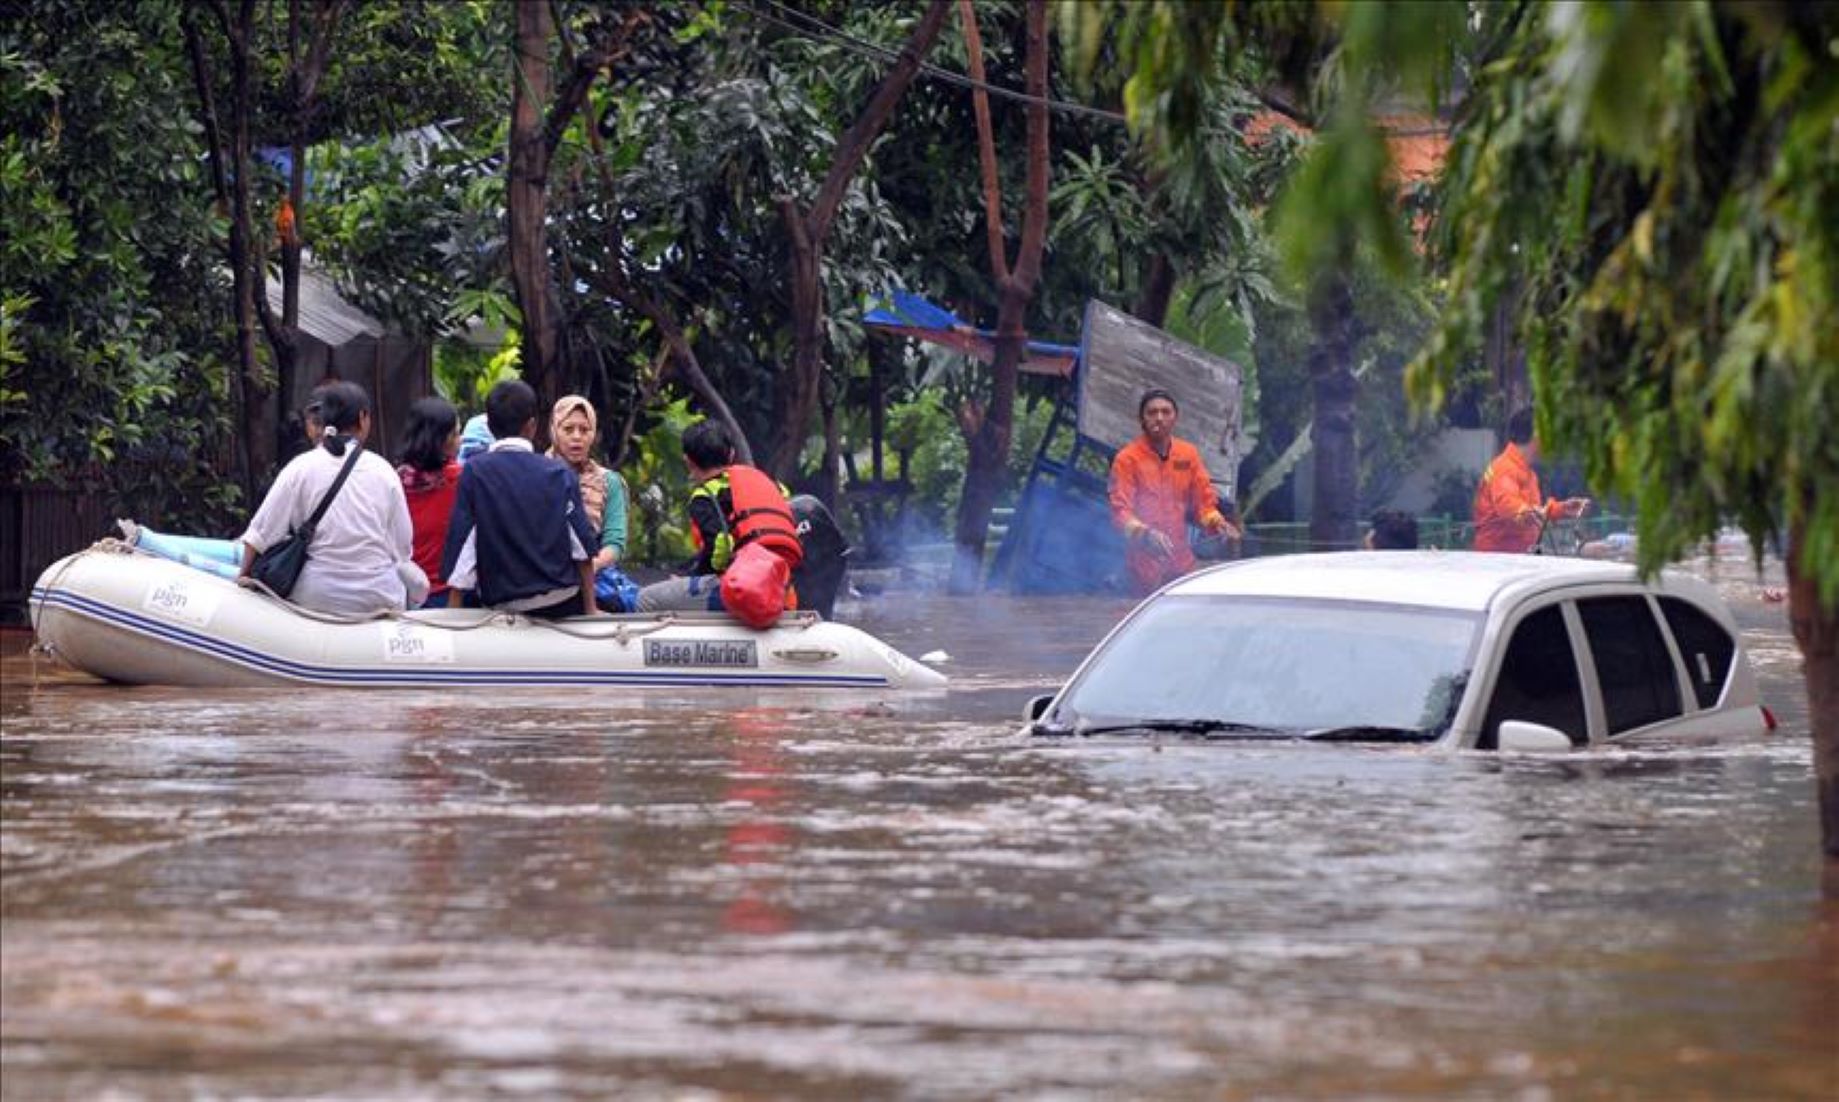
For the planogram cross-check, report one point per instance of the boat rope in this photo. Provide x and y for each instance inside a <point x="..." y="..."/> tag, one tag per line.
<point x="36" y="651"/>
<point x="621" y="631"/>
<point x="64" y="567"/>
<point x="622" y="626"/>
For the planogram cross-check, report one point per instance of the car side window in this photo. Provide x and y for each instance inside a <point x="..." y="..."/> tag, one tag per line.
<point x="1538" y="681"/>
<point x="1633" y="666"/>
<point x="1707" y="648"/>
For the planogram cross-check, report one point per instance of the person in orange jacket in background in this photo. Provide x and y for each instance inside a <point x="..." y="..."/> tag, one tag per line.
<point x="1510" y="511"/>
<point x="1157" y="484"/>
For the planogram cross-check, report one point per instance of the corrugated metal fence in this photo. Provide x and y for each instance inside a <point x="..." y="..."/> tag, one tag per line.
<point x="38" y="526"/>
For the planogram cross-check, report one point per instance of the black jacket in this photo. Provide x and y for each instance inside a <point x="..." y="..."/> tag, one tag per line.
<point x="520" y="508"/>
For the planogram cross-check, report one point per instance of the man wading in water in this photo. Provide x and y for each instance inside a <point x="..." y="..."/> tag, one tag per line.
<point x="1157" y="483"/>
<point x="1510" y="511"/>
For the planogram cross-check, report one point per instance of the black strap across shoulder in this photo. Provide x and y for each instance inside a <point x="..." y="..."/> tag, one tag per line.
<point x="319" y="510"/>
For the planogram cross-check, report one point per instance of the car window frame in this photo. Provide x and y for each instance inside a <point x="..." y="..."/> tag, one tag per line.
<point x="1682" y="685"/>
<point x="1679" y="653"/>
<point x="1510" y="622"/>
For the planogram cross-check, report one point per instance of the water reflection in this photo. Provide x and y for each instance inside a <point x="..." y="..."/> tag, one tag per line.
<point x="827" y="895"/>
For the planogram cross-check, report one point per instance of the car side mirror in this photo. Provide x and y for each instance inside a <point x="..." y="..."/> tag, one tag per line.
<point x="1037" y="707"/>
<point x="1521" y="737"/>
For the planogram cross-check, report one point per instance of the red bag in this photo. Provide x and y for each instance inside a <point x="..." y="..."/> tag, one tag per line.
<point x="753" y="586"/>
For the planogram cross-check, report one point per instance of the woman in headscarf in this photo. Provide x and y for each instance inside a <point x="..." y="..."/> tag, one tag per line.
<point x="573" y="427"/>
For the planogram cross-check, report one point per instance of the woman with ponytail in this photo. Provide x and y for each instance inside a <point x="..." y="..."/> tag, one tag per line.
<point x="360" y="559"/>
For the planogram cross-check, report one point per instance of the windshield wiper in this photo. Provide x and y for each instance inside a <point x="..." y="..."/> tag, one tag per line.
<point x="1171" y="726"/>
<point x="1370" y="733"/>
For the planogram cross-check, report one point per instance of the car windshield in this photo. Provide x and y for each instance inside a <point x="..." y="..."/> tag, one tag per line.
<point x="1258" y="666"/>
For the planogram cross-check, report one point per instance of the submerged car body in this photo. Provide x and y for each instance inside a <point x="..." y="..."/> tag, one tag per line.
<point x="1464" y="650"/>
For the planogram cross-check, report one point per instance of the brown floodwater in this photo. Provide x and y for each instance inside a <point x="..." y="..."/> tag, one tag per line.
<point x="407" y="895"/>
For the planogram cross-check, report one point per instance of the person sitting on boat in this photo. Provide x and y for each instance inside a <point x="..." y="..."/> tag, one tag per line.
<point x="573" y="426"/>
<point x="731" y="505"/>
<point x="519" y="534"/>
<point x="360" y="560"/>
<point x="214" y="555"/>
<point x="475" y="438"/>
<point x="430" y="478"/>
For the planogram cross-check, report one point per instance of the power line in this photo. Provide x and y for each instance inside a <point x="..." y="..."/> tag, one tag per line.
<point x="807" y="25"/>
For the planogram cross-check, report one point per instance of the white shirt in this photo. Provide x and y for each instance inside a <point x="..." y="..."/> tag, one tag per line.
<point x="352" y="563"/>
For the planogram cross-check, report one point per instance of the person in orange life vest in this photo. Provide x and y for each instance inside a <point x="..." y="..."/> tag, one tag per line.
<point x="731" y="505"/>
<point x="1157" y="483"/>
<point x="1510" y="512"/>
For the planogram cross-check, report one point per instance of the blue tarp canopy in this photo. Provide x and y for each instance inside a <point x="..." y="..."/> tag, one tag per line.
<point x="909" y="315"/>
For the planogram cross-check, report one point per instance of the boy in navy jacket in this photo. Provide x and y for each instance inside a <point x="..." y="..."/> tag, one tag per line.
<point x="519" y="535"/>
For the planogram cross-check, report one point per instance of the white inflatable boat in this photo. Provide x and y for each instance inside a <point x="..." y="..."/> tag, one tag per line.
<point x="132" y="617"/>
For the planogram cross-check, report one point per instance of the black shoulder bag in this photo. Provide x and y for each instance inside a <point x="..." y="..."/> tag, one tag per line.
<point x="278" y="568"/>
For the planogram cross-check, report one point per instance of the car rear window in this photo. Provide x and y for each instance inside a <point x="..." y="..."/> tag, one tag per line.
<point x="1707" y="648"/>
<point x="1633" y="665"/>
<point x="1538" y="681"/>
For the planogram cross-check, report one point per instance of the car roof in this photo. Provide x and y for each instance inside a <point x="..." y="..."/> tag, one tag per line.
<point x="1457" y="580"/>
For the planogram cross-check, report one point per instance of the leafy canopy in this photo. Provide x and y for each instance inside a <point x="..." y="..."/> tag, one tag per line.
<point x="1652" y="188"/>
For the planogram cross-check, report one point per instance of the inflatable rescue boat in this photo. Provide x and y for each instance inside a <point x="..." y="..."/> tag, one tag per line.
<point x="129" y="616"/>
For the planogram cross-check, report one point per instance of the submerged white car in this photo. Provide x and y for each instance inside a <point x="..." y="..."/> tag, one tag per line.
<point x="1459" y="649"/>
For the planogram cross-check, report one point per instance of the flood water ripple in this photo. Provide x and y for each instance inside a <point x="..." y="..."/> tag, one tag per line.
<point x="411" y="895"/>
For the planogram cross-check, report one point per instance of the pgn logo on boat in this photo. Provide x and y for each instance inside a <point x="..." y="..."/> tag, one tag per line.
<point x="176" y="600"/>
<point x="168" y="598"/>
<point x="701" y="652"/>
<point x="404" y="642"/>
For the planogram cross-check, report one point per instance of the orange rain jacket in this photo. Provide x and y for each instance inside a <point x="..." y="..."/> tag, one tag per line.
<point x="1150" y="492"/>
<point x="1508" y="488"/>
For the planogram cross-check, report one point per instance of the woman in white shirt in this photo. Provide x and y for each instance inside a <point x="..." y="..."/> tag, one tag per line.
<point x="361" y="557"/>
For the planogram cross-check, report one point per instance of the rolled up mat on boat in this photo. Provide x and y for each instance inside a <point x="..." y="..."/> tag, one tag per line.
<point x="223" y="558"/>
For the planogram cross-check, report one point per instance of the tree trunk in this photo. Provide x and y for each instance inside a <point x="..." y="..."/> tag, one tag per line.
<point x="216" y="156"/>
<point x="800" y="387"/>
<point x="526" y="195"/>
<point x="989" y="444"/>
<point x="1816" y="632"/>
<point x="1158" y="288"/>
<point x="879" y="353"/>
<point x="255" y="400"/>
<point x="830" y="476"/>
<point x="988" y="449"/>
<point x="284" y="332"/>
<point x="798" y="392"/>
<point x="256" y="423"/>
<point x="1337" y="470"/>
<point x="303" y="77"/>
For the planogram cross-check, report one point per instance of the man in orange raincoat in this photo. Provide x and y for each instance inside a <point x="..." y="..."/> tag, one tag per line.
<point x="1510" y="512"/>
<point x="1157" y="484"/>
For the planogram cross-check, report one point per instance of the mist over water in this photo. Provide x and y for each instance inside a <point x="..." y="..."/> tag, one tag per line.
<point x="416" y="895"/>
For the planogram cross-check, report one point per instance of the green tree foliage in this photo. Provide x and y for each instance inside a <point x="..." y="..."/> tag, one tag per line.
<point x="659" y="483"/>
<point x="412" y="225"/>
<point x="1391" y="434"/>
<point x="1661" y="182"/>
<point x="113" y="330"/>
<point x="923" y="430"/>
